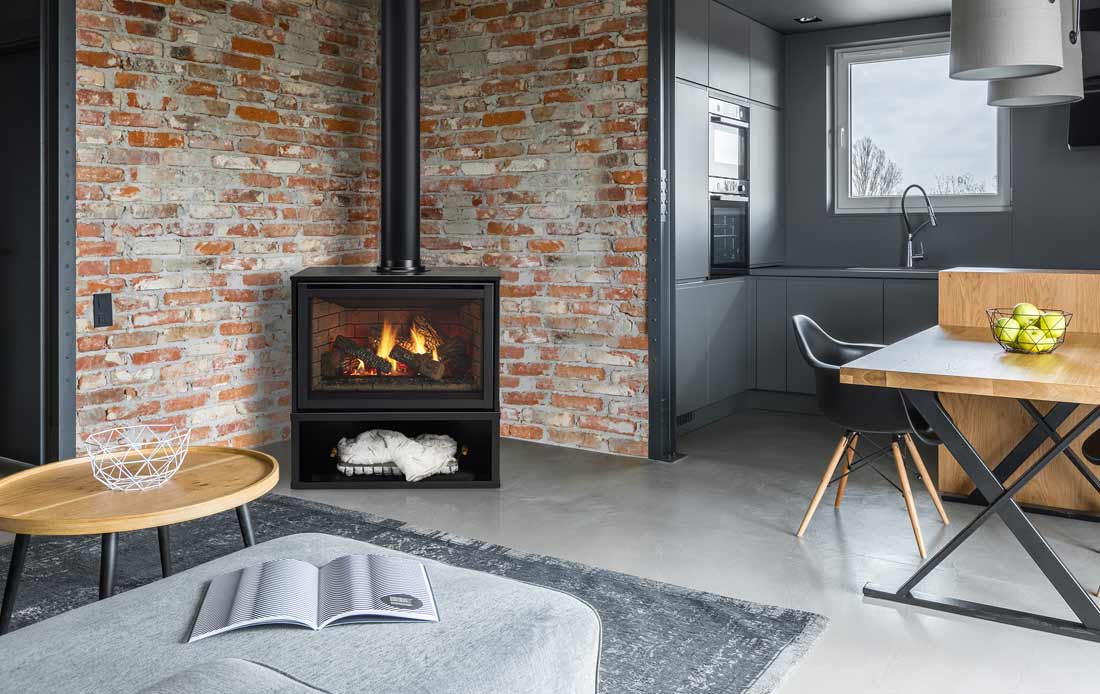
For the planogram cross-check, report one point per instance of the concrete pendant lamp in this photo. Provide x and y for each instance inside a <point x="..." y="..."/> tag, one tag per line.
<point x="1005" y="39"/>
<point x="1062" y="87"/>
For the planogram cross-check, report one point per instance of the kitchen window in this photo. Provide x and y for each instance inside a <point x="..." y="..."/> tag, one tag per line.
<point x="899" y="119"/>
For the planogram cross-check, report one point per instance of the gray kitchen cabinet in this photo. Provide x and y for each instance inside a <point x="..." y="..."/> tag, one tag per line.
<point x="690" y="167"/>
<point x="849" y="309"/>
<point x="691" y="347"/>
<point x="750" y="309"/>
<point x="713" y="333"/>
<point x="730" y="55"/>
<point x="911" y="306"/>
<point x="771" y="333"/>
<point x="727" y="322"/>
<point x="690" y="49"/>
<point x="766" y="65"/>
<point x="766" y="240"/>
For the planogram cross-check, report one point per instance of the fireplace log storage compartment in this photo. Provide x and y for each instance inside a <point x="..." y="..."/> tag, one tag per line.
<point x="412" y="353"/>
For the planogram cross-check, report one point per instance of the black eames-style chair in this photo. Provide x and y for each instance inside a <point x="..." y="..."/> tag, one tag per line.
<point x="862" y="410"/>
<point x="1091" y="448"/>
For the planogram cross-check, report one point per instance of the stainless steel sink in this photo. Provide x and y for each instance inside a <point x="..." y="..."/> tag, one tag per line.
<point x="893" y="269"/>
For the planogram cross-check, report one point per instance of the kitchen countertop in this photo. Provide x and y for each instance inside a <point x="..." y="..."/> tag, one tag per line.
<point x="917" y="273"/>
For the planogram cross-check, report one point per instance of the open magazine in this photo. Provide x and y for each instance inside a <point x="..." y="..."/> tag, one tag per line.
<point x="355" y="588"/>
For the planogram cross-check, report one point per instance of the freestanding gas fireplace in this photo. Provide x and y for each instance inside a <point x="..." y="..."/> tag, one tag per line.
<point x="413" y="353"/>
<point x="398" y="347"/>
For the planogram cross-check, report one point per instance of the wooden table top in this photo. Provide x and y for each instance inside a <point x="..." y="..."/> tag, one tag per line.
<point x="64" y="499"/>
<point x="949" y="359"/>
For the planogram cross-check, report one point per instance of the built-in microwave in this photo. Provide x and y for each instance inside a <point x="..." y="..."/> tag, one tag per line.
<point x="729" y="140"/>
<point x="729" y="188"/>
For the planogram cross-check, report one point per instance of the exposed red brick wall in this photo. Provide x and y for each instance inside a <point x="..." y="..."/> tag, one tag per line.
<point x="224" y="145"/>
<point x="534" y="118"/>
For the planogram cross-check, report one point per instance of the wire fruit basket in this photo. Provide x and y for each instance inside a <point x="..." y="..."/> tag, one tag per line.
<point x="144" y="456"/>
<point x="1033" y="331"/>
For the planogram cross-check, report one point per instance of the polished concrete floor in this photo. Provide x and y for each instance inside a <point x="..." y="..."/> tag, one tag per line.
<point x="722" y="520"/>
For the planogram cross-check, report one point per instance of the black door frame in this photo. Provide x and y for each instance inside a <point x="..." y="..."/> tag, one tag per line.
<point x="660" y="258"/>
<point x="57" y="171"/>
<point x="59" y="225"/>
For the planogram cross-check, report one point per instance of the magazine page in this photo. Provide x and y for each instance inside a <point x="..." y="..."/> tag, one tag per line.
<point x="283" y="591"/>
<point x="375" y="588"/>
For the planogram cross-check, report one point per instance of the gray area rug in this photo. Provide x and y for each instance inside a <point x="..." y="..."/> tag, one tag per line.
<point x="657" y="638"/>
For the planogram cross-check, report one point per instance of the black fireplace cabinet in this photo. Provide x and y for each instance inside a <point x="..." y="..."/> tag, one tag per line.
<point x="415" y="353"/>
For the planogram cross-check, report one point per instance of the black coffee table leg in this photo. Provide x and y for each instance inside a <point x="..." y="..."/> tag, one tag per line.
<point x="246" y="525"/>
<point x="15" y="573"/>
<point x="165" y="542"/>
<point x="107" y="565"/>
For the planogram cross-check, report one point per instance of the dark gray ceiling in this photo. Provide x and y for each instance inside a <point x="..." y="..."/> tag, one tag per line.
<point x="780" y="14"/>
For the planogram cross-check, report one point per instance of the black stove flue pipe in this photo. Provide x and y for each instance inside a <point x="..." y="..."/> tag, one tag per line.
<point x="399" y="239"/>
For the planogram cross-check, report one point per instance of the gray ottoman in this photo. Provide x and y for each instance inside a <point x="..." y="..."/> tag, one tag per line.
<point x="494" y="635"/>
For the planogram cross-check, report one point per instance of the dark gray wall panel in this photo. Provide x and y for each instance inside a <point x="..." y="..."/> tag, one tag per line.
<point x="910" y="306"/>
<point x="1056" y="222"/>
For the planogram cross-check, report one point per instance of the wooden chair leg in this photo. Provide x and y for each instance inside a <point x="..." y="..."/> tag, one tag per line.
<point x="932" y="492"/>
<point x="843" y="483"/>
<point x="825" y="479"/>
<point x="908" y="494"/>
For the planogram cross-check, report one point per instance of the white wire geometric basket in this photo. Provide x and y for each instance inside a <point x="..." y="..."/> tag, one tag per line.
<point x="143" y="456"/>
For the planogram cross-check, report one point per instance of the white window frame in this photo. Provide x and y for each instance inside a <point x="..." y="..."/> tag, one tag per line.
<point x="843" y="203"/>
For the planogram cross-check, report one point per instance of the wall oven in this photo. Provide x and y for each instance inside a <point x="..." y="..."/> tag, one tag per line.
<point x="729" y="188"/>
<point x="729" y="232"/>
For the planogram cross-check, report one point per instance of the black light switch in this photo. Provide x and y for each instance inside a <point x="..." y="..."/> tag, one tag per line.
<point x="102" y="311"/>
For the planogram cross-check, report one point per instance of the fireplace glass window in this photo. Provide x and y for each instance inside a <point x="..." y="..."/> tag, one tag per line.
<point x="396" y="342"/>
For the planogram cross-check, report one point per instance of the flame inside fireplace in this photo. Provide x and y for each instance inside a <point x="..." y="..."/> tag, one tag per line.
<point x="419" y="343"/>
<point x="393" y="335"/>
<point x="386" y="343"/>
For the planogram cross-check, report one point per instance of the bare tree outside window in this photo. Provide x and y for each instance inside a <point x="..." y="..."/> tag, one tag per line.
<point x="873" y="173"/>
<point x="964" y="184"/>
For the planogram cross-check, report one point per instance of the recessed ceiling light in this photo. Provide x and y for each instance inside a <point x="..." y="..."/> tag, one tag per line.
<point x="807" y="20"/>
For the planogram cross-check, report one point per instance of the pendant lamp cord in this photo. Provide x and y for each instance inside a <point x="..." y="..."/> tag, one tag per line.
<point x="1075" y="30"/>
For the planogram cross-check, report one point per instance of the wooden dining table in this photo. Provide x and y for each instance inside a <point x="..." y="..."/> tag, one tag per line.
<point x="966" y="360"/>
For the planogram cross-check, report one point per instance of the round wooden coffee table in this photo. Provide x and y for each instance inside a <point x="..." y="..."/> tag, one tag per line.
<point x="64" y="499"/>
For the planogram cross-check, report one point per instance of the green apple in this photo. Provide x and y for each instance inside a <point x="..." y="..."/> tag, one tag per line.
<point x="1033" y="339"/>
<point x="1006" y="330"/>
<point x="1047" y="344"/>
<point x="1026" y="314"/>
<point x="1053" y="324"/>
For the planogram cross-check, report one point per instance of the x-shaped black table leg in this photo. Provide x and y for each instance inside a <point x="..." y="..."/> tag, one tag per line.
<point x="1045" y="428"/>
<point x="999" y="501"/>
